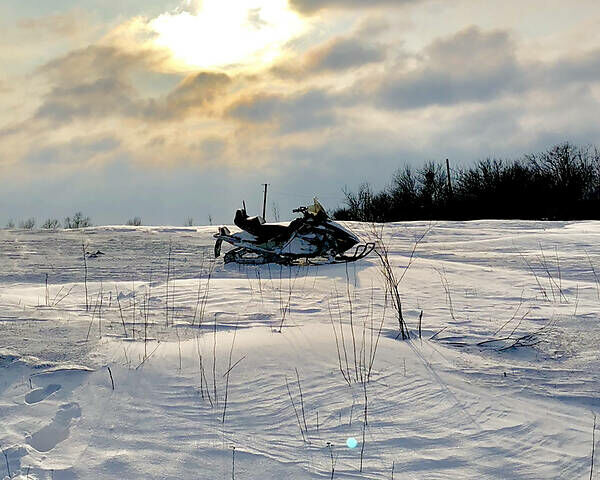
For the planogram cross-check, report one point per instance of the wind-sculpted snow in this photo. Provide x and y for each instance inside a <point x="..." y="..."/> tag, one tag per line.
<point x="181" y="367"/>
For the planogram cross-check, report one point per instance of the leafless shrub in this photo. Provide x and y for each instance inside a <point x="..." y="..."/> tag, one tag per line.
<point x="189" y="222"/>
<point x="51" y="224"/>
<point x="78" y="221"/>
<point x="134" y="222"/>
<point x="388" y="272"/>
<point x="10" y="223"/>
<point x="28" y="224"/>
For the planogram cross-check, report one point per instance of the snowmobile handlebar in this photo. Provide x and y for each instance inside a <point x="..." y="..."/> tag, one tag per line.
<point x="300" y="209"/>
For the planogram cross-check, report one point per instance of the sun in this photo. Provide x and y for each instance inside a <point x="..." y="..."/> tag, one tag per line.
<point x="227" y="33"/>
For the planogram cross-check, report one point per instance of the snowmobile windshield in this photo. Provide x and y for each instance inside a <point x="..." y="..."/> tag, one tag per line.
<point x="316" y="208"/>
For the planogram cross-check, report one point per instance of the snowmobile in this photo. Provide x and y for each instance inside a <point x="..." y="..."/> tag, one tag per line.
<point x="311" y="239"/>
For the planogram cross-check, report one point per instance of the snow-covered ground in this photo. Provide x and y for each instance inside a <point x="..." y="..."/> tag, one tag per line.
<point x="264" y="372"/>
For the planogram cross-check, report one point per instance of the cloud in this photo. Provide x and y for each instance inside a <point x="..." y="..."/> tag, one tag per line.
<point x="98" y="61"/>
<point x="582" y="68"/>
<point x="334" y="56"/>
<point x="101" y="98"/>
<point x="76" y="151"/>
<point x="99" y="90"/>
<point x="5" y="87"/>
<point x="302" y="111"/>
<point x="312" y="6"/>
<point x="471" y="65"/>
<point x="69" y="24"/>
<point x="198" y="90"/>
<point x="342" y="54"/>
<point x="96" y="82"/>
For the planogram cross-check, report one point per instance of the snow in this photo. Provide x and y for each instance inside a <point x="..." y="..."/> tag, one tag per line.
<point x="503" y="383"/>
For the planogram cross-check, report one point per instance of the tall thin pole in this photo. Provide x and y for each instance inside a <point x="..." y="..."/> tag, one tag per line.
<point x="265" y="201"/>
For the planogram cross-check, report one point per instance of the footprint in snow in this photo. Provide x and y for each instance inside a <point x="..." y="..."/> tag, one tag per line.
<point x="40" y="394"/>
<point x="57" y="431"/>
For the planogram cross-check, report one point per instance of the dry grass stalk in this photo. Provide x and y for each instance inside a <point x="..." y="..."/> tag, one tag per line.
<point x="167" y="284"/>
<point x="120" y="311"/>
<point x="595" y="275"/>
<point x="85" y="275"/>
<point x="214" y="364"/>
<point x="229" y="368"/>
<point x="301" y="401"/>
<point x="388" y="273"/>
<point x="295" y="410"/>
<point x="593" y="448"/>
<point x="350" y="312"/>
<point x="333" y="459"/>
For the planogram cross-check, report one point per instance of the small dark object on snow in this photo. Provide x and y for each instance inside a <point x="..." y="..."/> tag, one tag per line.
<point x="306" y="239"/>
<point x="94" y="255"/>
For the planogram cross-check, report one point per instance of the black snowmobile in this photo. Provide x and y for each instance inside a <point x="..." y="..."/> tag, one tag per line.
<point x="313" y="239"/>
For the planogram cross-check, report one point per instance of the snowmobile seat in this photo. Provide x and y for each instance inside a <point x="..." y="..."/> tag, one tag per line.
<point x="257" y="226"/>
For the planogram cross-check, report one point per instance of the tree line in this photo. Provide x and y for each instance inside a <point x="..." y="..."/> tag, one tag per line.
<point x="562" y="183"/>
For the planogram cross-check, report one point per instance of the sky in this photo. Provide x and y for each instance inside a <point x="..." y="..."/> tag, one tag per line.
<point x="174" y="109"/>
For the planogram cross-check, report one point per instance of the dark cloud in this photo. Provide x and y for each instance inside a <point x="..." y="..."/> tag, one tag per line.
<point x="373" y="26"/>
<point x="312" y="6"/>
<point x="473" y="66"/>
<point x="334" y="56"/>
<point x="469" y="66"/>
<point x="293" y="113"/>
<point x="102" y="98"/>
<point x="582" y="68"/>
<point x="342" y="54"/>
<point x="197" y="90"/>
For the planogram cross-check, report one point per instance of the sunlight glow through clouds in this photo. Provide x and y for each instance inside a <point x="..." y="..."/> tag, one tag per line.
<point x="220" y="33"/>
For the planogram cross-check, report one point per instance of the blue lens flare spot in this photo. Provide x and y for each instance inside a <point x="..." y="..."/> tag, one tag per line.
<point x="351" y="442"/>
